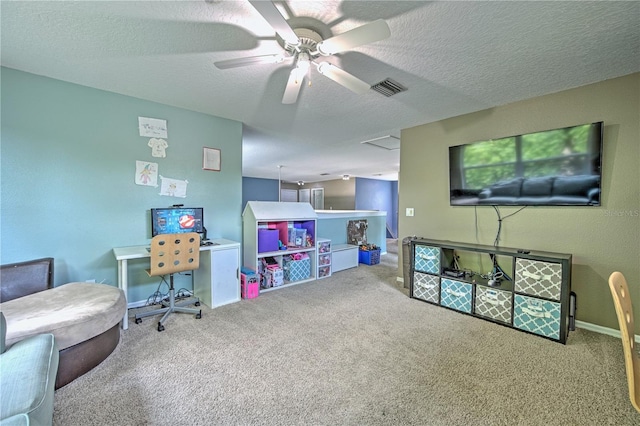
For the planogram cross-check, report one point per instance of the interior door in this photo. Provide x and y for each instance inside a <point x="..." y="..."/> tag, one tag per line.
<point x="317" y="198"/>
<point x="304" y="195"/>
<point x="290" y="195"/>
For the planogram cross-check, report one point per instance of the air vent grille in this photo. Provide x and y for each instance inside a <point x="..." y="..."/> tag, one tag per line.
<point x="388" y="87"/>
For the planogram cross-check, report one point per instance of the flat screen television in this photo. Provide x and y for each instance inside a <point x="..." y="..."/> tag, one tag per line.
<point x="558" y="167"/>
<point x="175" y="220"/>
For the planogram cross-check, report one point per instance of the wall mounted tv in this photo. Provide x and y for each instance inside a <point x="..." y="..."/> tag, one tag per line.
<point x="559" y="167"/>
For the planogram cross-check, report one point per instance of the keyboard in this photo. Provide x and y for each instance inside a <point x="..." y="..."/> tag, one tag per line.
<point x="202" y="244"/>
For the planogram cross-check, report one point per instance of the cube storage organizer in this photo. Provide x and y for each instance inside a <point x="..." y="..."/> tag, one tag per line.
<point x="538" y="300"/>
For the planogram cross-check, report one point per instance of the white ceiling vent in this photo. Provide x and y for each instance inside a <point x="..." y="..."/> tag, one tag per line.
<point x="388" y="142"/>
<point x="388" y="87"/>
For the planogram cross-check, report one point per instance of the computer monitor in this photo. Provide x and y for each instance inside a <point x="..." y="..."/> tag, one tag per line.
<point x="174" y="220"/>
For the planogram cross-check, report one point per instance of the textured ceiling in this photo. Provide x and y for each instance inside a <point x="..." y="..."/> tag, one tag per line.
<point x="454" y="58"/>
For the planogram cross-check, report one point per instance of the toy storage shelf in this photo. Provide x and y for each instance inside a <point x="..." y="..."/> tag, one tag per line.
<point x="280" y="217"/>
<point x="534" y="296"/>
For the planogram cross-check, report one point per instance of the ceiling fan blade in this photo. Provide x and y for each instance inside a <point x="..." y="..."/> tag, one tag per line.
<point x="272" y="15"/>
<point x="294" y="84"/>
<point x="251" y="60"/>
<point x="342" y="77"/>
<point x="367" y="33"/>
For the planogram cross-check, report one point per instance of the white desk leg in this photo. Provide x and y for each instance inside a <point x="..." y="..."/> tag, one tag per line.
<point x="123" y="285"/>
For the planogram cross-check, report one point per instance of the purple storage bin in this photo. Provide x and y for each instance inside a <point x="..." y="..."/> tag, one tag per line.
<point x="267" y="240"/>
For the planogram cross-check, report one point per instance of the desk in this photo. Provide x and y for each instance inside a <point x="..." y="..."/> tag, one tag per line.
<point x="216" y="282"/>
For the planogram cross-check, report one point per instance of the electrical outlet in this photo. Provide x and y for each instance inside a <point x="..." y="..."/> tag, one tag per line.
<point x="409" y="211"/>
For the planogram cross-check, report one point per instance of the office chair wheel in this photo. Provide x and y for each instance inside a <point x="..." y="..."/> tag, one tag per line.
<point x="199" y="315"/>
<point x="197" y="303"/>
<point x="138" y="320"/>
<point x="160" y="327"/>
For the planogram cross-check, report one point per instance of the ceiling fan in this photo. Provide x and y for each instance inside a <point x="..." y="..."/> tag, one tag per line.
<point x="304" y="45"/>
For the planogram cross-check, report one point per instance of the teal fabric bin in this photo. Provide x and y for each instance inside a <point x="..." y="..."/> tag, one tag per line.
<point x="296" y="270"/>
<point x="456" y="295"/>
<point x="427" y="259"/>
<point x="538" y="316"/>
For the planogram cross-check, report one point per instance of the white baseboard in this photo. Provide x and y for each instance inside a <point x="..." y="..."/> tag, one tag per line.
<point x="602" y="330"/>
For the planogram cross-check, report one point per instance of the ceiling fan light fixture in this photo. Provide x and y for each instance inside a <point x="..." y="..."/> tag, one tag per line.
<point x="305" y="44"/>
<point x="303" y="62"/>
<point x="301" y="69"/>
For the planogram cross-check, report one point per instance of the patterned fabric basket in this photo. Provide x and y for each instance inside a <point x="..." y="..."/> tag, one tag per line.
<point x="426" y="287"/>
<point x="296" y="270"/>
<point x="427" y="259"/>
<point x="493" y="303"/>
<point x="543" y="279"/>
<point x="456" y="295"/>
<point x="537" y="316"/>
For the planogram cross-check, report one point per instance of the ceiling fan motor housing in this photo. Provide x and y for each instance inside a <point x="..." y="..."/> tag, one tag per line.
<point x="309" y="39"/>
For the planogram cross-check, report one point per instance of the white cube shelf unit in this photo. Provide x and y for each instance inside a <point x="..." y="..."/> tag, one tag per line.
<point x="266" y="225"/>
<point x="535" y="299"/>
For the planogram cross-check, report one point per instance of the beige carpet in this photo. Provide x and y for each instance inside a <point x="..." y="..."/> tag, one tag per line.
<point x="352" y="349"/>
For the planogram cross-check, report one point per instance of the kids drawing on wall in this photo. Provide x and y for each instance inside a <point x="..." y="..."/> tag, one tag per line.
<point x="146" y="173"/>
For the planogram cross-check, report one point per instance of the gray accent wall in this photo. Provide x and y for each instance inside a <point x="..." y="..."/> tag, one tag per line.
<point x="602" y="239"/>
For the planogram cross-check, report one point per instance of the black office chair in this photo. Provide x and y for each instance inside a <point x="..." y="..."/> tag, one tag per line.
<point x="171" y="253"/>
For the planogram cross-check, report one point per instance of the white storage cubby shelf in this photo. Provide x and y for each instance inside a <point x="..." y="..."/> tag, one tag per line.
<point x="279" y="218"/>
<point x="536" y="299"/>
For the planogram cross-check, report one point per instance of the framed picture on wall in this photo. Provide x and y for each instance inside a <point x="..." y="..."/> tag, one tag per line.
<point x="211" y="159"/>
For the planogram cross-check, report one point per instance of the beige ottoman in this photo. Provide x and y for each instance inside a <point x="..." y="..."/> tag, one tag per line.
<point x="83" y="317"/>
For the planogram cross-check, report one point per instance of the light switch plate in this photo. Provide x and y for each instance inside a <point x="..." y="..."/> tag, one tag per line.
<point x="409" y="211"/>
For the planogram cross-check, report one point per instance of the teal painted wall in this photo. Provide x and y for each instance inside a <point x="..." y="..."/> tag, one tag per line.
<point x="335" y="229"/>
<point x="68" y="157"/>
